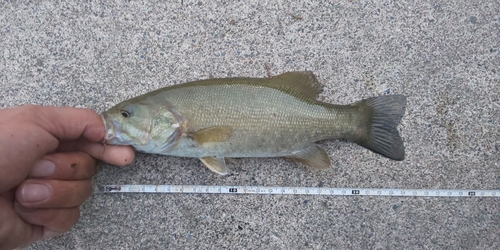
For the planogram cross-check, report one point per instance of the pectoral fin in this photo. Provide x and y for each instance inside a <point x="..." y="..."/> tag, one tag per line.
<point x="313" y="156"/>
<point x="212" y="134"/>
<point x="216" y="164"/>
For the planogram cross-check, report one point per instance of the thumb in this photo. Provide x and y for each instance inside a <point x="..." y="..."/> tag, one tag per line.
<point x="66" y="123"/>
<point x="29" y="132"/>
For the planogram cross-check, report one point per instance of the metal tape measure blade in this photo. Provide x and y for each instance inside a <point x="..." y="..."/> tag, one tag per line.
<point x="202" y="189"/>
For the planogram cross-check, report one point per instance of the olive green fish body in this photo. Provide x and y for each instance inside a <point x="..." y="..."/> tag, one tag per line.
<point x="265" y="122"/>
<point x="251" y="117"/>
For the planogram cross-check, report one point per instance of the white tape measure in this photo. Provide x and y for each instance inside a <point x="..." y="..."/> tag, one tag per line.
<point x="197" y="189"/>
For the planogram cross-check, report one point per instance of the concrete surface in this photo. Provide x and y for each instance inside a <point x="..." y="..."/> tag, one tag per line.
<point x="444" y="55"/>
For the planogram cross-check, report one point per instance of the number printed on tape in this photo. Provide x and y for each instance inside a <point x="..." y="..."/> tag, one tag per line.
<point x="297" y="191"/>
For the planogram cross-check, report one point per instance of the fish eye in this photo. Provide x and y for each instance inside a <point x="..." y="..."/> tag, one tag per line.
<point x="125" y="113"/>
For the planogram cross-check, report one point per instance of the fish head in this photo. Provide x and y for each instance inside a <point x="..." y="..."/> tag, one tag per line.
<point x="147" y="126"/>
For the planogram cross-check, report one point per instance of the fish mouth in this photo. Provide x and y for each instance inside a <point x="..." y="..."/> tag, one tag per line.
<point x="109" y="128"/>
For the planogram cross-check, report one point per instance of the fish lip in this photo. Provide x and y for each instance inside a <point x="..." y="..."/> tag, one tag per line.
<point x="109" y="127"/>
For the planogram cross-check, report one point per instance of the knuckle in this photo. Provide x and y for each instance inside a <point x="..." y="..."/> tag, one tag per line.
<point x="91" y="165"/>
<point x="87" y="190"/>
<point x="5" y="229"/>
<point x="12" y="232"/>
<point x="76" y="193"/>
<point x="64" y="219"/>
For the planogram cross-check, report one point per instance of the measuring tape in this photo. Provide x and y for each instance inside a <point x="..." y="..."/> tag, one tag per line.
<point x="197" y="189"/>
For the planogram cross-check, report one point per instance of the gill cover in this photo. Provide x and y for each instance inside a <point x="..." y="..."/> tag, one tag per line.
<point x="147" y="125"/>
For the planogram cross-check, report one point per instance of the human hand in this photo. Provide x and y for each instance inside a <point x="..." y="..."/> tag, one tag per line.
<point x="47" y="159"/>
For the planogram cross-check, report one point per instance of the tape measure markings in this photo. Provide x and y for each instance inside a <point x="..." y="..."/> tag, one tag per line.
<point x="201" y="189"/>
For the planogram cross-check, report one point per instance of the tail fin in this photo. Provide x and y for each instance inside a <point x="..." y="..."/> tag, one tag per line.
<point x="382" y="116"/>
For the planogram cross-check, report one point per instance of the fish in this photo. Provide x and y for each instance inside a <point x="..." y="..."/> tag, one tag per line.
<point x="279" y="116"/>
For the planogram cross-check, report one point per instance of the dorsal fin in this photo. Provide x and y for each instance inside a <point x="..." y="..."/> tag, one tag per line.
<point x="301" y="82"/>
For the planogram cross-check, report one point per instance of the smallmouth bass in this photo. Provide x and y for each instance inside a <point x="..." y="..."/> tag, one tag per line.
<point x="253" y="117"/>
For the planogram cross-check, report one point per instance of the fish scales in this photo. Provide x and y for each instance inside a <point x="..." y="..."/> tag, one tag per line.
<point x="253" y="117"/>
<point x="273" y="123"/>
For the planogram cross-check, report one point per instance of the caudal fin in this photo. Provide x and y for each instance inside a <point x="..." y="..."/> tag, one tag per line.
<point x="382" y="116"/>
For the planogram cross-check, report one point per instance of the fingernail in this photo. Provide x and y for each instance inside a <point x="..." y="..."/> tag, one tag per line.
<point x="43" y="168"/>
<point x="33" y="192"/>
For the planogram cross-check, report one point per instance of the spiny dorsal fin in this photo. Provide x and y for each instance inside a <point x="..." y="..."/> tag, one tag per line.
<point x="304" y="82"/>
<point x="212" y="134"/>
<point x="313" y="156"/>
<point x="215" y="164"/>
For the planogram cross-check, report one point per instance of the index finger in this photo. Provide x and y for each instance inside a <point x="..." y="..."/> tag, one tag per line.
<point x="29" y="132"/>
<point x="85" y="128"/>
<point x="112" y="154"/>
<point x="65" y="123"/>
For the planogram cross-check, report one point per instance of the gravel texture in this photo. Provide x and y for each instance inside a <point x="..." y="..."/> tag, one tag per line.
<point x="444" y="55"/>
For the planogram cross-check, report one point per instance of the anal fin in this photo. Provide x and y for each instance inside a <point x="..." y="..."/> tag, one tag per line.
<point x="313" y="156"/>
<point x="215" y="164"/>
